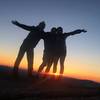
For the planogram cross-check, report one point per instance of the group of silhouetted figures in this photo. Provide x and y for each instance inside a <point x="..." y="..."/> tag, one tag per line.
<point x="54" y="47"/>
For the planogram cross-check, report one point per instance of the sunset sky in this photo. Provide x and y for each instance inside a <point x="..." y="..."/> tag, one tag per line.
<point x="83" y="50"/>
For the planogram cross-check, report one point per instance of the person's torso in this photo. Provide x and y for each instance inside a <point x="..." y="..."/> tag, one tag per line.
<point x="33" y="37"/>
<point x="49" y="42"/>
<point x="60" y="47"/>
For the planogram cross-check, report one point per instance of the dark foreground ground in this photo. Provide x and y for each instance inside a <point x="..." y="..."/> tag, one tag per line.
<point x="45" y="88"/>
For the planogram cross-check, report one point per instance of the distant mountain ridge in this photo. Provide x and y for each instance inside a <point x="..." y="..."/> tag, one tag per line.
<point x="72" y="82"/>
<point x="50" y="87"/>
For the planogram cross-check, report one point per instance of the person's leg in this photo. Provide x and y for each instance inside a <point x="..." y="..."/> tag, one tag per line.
<point x="55" y="64"/>
<point x="49" y="64"/>
<point x="41" y="67"/>
<point x="30" y="59"/>
<point x="62" y="59"/>
<point x="18" y="59"/>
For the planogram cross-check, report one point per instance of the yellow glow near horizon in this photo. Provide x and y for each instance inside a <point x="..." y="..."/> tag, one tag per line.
<point x="71" y="69"/>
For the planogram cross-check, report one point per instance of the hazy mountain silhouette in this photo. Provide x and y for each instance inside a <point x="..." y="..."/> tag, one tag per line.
<point x="45" y="88"/>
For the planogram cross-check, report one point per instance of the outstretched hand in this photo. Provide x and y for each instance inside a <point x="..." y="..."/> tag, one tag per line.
<point x="14" y="22"/>
<point x="83" y="30"/>
<point x="80" y="30"/>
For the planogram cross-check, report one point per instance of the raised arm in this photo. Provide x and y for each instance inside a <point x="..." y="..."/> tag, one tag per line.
<point x="26" y="27"/>
<point x="78" y="31"/>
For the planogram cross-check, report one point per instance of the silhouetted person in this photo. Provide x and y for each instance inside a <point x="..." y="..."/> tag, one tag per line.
<point x="28" y="45"/>
<point x="49" y="40"/>
<point x="60" y="47"/>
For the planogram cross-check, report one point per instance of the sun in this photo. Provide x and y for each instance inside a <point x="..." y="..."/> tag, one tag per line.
<point x="56" y="74"/>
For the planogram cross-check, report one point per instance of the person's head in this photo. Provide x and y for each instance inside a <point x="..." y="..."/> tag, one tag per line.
<point x="53" y="30"/>
<point x="41" y="25"/>
<point x="59" y="30"/>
